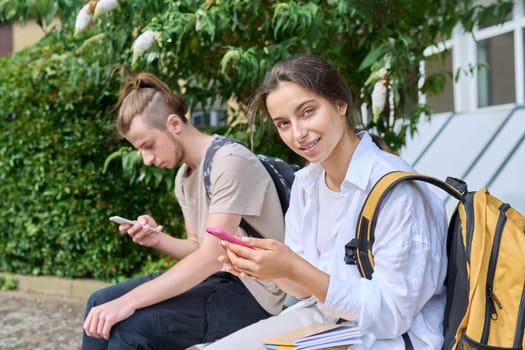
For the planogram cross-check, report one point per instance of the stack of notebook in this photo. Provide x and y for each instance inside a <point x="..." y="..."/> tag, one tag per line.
<point x="316" y="336"/>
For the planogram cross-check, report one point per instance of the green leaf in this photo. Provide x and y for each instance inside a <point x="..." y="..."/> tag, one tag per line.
<point x="372" y="56"/>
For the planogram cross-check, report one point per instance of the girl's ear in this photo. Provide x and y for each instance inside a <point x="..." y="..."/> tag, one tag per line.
<point x="341" y="106"/>
<point x="174" y="123"/>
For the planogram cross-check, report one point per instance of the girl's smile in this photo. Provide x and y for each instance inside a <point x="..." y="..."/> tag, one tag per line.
<point x="308" y="123"/>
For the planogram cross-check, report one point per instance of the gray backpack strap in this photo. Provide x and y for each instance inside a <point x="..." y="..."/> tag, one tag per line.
<point x="217" y="142"/>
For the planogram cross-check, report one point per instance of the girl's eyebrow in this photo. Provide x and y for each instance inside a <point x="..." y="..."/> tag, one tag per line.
<point x="296" y="109"/>
<point x="302" y="104"/>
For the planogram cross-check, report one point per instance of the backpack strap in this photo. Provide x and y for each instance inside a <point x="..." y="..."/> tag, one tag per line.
<point x="217" y="142"/>
<point x="359" y="250"/>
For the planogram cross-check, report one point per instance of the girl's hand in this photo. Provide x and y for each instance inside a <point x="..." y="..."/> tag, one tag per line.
<point x="270" y="260"/>
<point x="273" y="260"/>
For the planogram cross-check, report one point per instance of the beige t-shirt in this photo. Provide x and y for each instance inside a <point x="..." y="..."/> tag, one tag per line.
<point x="240" y="185"/>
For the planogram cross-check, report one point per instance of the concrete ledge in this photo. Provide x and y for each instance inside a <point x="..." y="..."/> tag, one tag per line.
<point x="59" y="286"/>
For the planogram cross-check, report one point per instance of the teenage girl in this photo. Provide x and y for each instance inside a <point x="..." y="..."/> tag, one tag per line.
<point x="308" y="102"/>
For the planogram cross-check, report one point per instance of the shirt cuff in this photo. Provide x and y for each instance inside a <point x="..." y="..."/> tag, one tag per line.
<point x="343" y="298"/>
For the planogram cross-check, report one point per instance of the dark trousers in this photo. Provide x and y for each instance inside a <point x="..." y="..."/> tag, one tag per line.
<point x="218" y="306"/>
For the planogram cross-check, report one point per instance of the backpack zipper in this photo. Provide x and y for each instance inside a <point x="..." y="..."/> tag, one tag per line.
<point x="492" y="301"/>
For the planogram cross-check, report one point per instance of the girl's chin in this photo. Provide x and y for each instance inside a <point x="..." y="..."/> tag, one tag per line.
<point x="311" y="158"/>
<point x="312" y="155"/>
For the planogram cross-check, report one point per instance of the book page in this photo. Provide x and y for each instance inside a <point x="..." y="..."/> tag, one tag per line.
<point x="317" y="336"/>
<point x="289" y="338"/>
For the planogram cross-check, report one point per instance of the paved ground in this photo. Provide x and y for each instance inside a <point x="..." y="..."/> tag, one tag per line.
<point x="39" y="321"/>
<point x="33" y="321"/>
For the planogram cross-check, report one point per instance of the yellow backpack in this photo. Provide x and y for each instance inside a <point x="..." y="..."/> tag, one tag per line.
<point x="485" y="306"/>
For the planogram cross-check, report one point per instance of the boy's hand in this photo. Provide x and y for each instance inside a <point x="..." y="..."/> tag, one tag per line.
<point x="103" y="317"/>
<point x="145" y="231"/>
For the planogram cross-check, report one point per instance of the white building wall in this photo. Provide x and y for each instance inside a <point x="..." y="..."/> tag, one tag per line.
<point x="483" y="146"/>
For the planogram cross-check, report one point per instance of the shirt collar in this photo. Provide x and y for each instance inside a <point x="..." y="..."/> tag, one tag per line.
<point x="360" y="168"/>
<point x="309" y="175"/>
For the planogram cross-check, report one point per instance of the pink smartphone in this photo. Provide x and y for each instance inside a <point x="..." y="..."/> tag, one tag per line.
<point x="220" y="234"/>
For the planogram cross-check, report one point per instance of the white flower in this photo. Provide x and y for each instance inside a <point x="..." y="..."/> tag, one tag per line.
<point x="104" y="6"/>
<point x="199" y="14"/>
<point x="382" y="73"/>
<point x="143" y="43"/>
<point x="378" y="98"/>
<point x="84" y="19"/>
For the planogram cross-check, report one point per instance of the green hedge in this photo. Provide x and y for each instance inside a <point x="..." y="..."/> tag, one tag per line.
<point x="55" y="197"/>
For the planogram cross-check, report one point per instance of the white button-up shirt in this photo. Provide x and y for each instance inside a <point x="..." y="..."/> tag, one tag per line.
<point x="406" y="292"/>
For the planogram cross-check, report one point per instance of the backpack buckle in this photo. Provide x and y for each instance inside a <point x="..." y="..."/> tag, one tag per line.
<point x="458" y="184"/>
<point x="351" y="252"/>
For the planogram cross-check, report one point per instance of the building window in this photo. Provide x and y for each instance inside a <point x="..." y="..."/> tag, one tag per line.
<point x="496" y="74"/>
<point x="6" y="39"/>
<point x="213" y="118"/>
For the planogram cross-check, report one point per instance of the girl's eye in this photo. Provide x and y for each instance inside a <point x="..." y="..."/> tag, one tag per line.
<point x="308" y="111"/>
<point x="281" y="124"/>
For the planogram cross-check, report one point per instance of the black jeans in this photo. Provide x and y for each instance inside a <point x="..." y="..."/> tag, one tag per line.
<point x="218" y="306"/>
